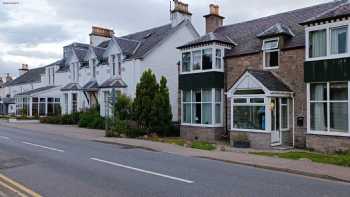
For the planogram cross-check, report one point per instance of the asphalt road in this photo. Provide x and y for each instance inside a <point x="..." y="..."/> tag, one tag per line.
<point x="57" y="166"/>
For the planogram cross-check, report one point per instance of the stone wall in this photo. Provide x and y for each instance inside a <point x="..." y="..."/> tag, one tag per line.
<point x="290" y="71"/>
<point x="201" y="133"/>
<point x="328" y="144"/>
<point x="257" y="140"/>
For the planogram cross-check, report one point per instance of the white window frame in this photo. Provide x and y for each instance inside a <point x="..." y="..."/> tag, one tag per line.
<point x="328" y="101"/>
<point x="267" y="51"/>
<point x="284" y="105"/>
<point x="327" y="27"/>
<point x="214" y="48"/>
<point x="213" y="104"/>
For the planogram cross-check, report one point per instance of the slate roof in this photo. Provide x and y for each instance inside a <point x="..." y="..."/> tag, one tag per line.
<point x="269" y="80"/>
<point x="32" y="76"/>
<point x="343" y="10"/>
<point x="114" y="83"/>
<point x="210" y="38"/>
<point x="71" y="87"/>
<point x="137" y="45"/>
<point x="90" y="86"/>
<point x="99" y="52"/>
<point x="30" y="92"/>
<point x="245" y="33"/>
<point x="276" y="30"/>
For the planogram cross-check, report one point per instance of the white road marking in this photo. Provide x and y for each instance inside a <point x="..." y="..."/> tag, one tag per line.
<point x="45" y="147"/>
<point x="5" y="138"/>
<point x="143" y="171"/>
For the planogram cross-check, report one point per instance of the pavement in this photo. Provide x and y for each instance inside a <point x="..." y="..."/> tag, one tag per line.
<point x="67" y="161"/>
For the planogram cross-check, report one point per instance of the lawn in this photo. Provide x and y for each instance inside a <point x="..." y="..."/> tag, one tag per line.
<point x="335" y="159"/>
<point x="181" y="142"/>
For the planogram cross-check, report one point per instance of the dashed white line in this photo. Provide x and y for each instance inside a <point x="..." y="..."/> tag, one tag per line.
<point x="143" y="171"/>
<point x="44" y="147"/>
<point x="4" y="138"/>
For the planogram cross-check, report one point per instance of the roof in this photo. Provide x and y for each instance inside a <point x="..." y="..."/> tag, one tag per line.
<point x="209" y="38"/>
<point x="30" y="92"/>
<point x="342" y="10"/>
<point x="71" y="87"/>
<point x="99" y="52"/>
<point x="90" y="86"/>
<point x="245" y="33"/>
<point x="32" y="76"/>
<point x="114" y="83"/>
<point x="276" y="30"/>
<point x="137" y="45"/>
<point x="269" y="80"/>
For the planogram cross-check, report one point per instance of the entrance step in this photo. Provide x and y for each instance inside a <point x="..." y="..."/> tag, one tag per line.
<point x="282" y="148"/>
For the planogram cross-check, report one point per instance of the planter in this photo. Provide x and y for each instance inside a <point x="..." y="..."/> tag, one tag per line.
<point x="23" y="121"/>
<point x="241" y="144"/>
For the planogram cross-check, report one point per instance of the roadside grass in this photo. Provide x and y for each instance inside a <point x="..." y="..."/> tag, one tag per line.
<point x="171" y="140"/>
<point x="335" y="159"/>
<point x="203" y="146"/>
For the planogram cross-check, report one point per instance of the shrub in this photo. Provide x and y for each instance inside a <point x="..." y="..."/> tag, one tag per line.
<point x="51" y="120"/>
<point x="135" y="132"/>
<point x="91" y="119"/>
<point x="123" y="107"/>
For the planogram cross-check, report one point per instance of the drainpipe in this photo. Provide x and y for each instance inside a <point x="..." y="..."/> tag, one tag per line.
<point x="293" y="120"/>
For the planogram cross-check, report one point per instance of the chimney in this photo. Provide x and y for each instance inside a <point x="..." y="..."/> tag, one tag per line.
<point x="8" y="77"/>
<point x="99" y="35"/>
<point x="24" y="69"/>
<point x="213" y="20"/>
<point x="1" y="82"/>
<point x="179" y="13"/>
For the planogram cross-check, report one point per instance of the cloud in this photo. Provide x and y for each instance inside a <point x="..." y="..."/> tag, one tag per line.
<point x="33" y="34"/>
<point x="34" y="54"/>
<point x="8" y="67"/>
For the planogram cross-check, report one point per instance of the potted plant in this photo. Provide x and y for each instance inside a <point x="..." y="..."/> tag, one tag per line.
<point x="241" y="141"/>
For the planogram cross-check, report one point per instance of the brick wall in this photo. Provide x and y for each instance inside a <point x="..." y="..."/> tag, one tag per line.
<point x="201" y="133"/>
<point x="328" y="144"/>
<point x="291" y="72"/>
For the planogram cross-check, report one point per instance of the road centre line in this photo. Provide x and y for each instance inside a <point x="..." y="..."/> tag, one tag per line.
<point x="143" y="171"/>
<point x="44" y="147"/>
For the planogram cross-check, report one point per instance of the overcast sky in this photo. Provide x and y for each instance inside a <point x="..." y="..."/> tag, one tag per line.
<point x="34" y="31"/>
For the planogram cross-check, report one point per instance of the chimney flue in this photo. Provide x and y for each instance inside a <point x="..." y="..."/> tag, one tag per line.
<point x="8" y="77"/>
<point x="213" y="20"/>
<point x="99" y="35"/>
<point x="179" y="13"/>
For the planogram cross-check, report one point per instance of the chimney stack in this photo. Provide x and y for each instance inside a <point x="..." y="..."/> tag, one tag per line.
<point x="1" y="82"/>
<point x="213" y="20"/>
<point x="8" y="77"/>
<point x="23" y="70"/>
<point x="99" y="35"/>
<point x="179" y="13"/>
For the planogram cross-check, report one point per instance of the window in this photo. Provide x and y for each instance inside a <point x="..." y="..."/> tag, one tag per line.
<point x="186" y="62"/>
<point x="119" y="56"/>
<point x="318" y="43"/>
<point x="271" y="53"/>
<point x="202" y="107"/>
<point x="113" y="64"/>
<point x="196" y="58"/>
<point x="339" y="37"/>
<point x="207" y="59"/>
<point x="284" y="113"/>
<point x="74" y="102"/>
<point x="250" y="115"/>
<point x="329" y="107"/>
<point x="66" y="103"/>
<point x="218" y="59"/>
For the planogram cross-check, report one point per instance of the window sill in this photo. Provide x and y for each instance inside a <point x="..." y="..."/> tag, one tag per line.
<point x="336" y="134"/>
<point x="345" y="55"/>
<point x="202" y="125"/>
<point x="250" y="130"/>
<point x="201" y="71"/>
<point x="271" y="68"/>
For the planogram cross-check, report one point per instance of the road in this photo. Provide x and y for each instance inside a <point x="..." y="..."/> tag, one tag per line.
<point x="57" y="166"/>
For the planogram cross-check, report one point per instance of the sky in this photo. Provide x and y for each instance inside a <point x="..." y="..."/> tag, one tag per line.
<point x="33" y="32"/>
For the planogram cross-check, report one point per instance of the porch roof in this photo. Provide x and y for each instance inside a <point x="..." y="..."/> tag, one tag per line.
<point x="35" y="91"/>
<point x="91" y="86"/>
<point x="71" y="87"/>
<point x="114" y="83"/>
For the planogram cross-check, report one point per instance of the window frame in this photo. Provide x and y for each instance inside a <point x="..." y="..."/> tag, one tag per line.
<point x="327" y="27"/>
<point x="213" y="103"/>
<point x="328" y="102"/>
<point x="272" y="50"/>
<point x="213" y="57"/>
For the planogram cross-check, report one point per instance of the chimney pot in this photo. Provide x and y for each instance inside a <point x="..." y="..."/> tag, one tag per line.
<point x="213" y="20"/>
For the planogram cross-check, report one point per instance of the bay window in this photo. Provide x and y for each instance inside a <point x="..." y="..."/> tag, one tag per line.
<point x="318" y="43"/>
<point x="205" y="59"/>
<point x="202" y="107"/>
<point x="329" y="106"/>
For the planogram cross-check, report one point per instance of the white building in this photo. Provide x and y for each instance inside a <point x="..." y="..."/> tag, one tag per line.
<point x="87" y="72"/>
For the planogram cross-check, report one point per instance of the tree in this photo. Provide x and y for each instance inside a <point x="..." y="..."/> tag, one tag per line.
<point x="161" y="115"/>
<point x="123" y="107"/>
<point x="146" y="90"/>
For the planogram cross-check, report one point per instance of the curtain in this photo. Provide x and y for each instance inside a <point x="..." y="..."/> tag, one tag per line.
<point x="339" y="40"/>
<point x="319" y="109"/>
<point x="319" y="43"/>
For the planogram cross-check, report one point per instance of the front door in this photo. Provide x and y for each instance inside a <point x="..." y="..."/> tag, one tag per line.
<point x="276" y="134"/>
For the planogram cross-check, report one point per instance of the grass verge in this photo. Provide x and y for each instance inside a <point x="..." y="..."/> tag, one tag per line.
<point x="335" y="159"/>
<point x="203" y="145"/>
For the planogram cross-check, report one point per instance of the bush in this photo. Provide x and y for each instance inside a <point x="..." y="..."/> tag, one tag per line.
<point x="51" y="120"/>
<point x="135" y="132"/>
<point x="91" y="119"/>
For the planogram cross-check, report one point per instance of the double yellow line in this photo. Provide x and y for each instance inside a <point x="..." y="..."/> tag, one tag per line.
<point x="17" y="188"/>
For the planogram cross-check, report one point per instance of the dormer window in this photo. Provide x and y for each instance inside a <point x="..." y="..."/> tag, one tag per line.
<point x="271" y="53"/>
<point x="339" y="37"/>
